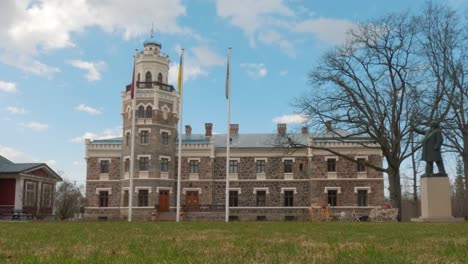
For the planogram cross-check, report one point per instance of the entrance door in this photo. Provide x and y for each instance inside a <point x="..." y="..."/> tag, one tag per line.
<point x="191" y="200"/>
<point x="163" y="201"/>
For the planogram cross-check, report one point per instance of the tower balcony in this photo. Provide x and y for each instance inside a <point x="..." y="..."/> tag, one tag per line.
<point x="152" y="85"/>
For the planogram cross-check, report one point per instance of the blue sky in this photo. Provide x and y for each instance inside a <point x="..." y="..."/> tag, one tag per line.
<point x="64" y="63"/>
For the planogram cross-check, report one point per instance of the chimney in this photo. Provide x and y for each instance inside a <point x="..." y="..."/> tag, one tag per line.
<point x="328" y="125"/>
<point x="282" y="129"/>
<point x="188" y="130"/>
<point x="208" y="129"/>
<point x="305" y="130"/>
<point x="234" y="129"/>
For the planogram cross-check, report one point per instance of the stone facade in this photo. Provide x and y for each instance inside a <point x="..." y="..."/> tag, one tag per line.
<point x="292" y="181"/>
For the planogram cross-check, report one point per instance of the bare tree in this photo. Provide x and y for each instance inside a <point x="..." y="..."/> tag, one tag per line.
<point x="444" y="39"/>
<point x="369" y="87"/>
<point x="68" y="200"/>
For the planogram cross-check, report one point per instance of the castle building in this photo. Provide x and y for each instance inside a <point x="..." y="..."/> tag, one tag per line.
<point x="267" y="182"/>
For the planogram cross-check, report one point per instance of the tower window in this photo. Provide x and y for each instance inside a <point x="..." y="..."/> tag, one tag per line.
<point x="138" y="80"/>
<point x="331" y="165"/>
<point x="141" y="112"/>
<point x="165" y="138"/>
<point x="149" y="112"/>
<point x="160" y="78"/>
<point x="148" y="79"/>
<point x="144" y="164"/>
<point x="164" y="165"/>
<point x="144" y="137"/>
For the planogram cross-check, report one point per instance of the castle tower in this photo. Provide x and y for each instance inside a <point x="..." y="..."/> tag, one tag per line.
<point x="155" y="133"/>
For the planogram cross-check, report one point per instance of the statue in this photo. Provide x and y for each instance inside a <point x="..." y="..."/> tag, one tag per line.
<point x="431" y="150"/>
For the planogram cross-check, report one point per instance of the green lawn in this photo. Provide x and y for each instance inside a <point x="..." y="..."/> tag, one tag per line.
<point x="236" y="242"/>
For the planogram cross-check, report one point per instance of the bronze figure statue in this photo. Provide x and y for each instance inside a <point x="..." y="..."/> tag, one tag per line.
<point x="431" y="150"/>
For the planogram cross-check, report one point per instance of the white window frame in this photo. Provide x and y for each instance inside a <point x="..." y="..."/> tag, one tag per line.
<point x="184" y="190"/>
<point x="367" y="188"/>
<point x="144" y="129"/>
<point x="108" y="189"/>
<point x="266" y="189"/>
<point x="150" y="190"/>
<point x="288" y="189"/>
<point x="236" y="189"/>
<point x="332" y="188"/>
<point x="164" y="189"/>
<point x="288" y="158"/>
<point x="34" y="192"/>
<point x="144" y="156"/>
<point x="165" y="130"/>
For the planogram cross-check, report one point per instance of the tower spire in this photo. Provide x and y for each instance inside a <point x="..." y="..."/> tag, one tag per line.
<point x="152" y="29"/>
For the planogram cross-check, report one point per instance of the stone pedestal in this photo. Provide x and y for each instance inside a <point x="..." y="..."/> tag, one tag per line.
<point x="435" y="200"/>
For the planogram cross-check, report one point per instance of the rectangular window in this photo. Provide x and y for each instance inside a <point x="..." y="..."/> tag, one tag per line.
<point x="233" y="165"/>
<point x="360" y="165"/>
<point x="30" y="200"/>
<point x="104" y="166"/>
<point x="194" y="166"/>
<point x="331" y="165"/>
<point x="332" y="197"/>
<point x="233" y="198"/>
<point x="261" y="198"/>
<point x="301" y="167"/>
<point x="125" y="198"/>
<point x="127" y="139"/>
<point x="288" y="198"/>
<point x="261" y="166"/>
<point x="288" y="166"/>
<point x="103" y="199"/>
<point x="127" y="165"/>
<point x="362" y="198"/>
<point x="144" y="137"/>
<point x="46" y="195"/>
<point x="164" y="165"/>
<point x="143" y="198"/>
<point x="165" y="138"/>
<point x="144" y="164"/>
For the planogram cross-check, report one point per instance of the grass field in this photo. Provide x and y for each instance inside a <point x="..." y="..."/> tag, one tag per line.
<point x="237" y="242"/>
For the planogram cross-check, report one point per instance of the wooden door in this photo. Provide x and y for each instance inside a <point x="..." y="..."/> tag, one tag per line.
<point x="163" y="201"/>
<point x="191" y="199"/>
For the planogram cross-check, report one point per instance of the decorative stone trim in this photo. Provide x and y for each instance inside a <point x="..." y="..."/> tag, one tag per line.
<point x="165" y="130"/>
<point x="143" y="188"/>
<point x="184" y="190"/>
<point x="233" y="159"/>
<point x="164" y="175"/>
<point x="128" y="131"/>
<point x="163" y="189"/>
<point x="288" y="189"/>
<point x="104" y="176"/>
<point x="194" y="176"/>
<point x="143" y="174"/>
<point x="144" y="105"/>
<point x="288" y="158"/>
<point x="261" y="176"/>
<point x="332" y="189"/>
<point x="362" y="174"/>
<point x="331" y="157"/>
<point x="190" y="159"/>
<point x="144" y="156"/>
<point x="357" y="188"/>
<point x="144" y="129"/>
<point x="104" y="159"/>
<point x="103" y="190"/>
<point x="361" y="157"/>
<point x="332" y="175"/>
<point x="164" y="157"/>
<point x="265" y="159"/>
<point x="236" y="189"/>
<point x="261" y="189"/>
<point x="233" y="176"/>
<point x="288" y="176"/>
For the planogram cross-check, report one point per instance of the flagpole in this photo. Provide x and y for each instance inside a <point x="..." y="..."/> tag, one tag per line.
<point x="179" y="163"/>
<point x="132" y="146"/>
<point x="228" y="136"/>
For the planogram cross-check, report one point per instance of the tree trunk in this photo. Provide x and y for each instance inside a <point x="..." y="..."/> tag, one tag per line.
<point x="465" y="169"/>
<point x="395" y="190"/>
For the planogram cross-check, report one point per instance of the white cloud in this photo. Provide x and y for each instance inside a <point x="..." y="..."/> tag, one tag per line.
<point x="283" y="72"/>
<point x="16" y="110"/>
<point x="255" y="70"/>
<point x="35" y="126"/>
<point x="51" y="163"/>
<point x="31" y="27"/>
<point x="93" y="68"/>
<point x="274" y="37"/>
<point x="197" y="62"/>
<point x="14" y="155"/>
<point x="105" y="134"/>
<point x="88" y="109"/>
<point x="7" y="87"/>
<point x="290" y="119"/>
<point x="325" y="29"/>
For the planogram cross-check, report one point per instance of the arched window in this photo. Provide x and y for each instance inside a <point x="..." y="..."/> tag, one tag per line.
<point x="149" y="112"/>
<point x="148" y="79"/>
<point x="138" y="80"/>
<point x="141" y="112"/>
<point x="160" y="78"/>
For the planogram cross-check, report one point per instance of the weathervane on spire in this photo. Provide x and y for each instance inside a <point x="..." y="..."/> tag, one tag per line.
<point x="152" y="29"/>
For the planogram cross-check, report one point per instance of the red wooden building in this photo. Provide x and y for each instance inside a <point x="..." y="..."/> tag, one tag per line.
<point x="27" y="187"/>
